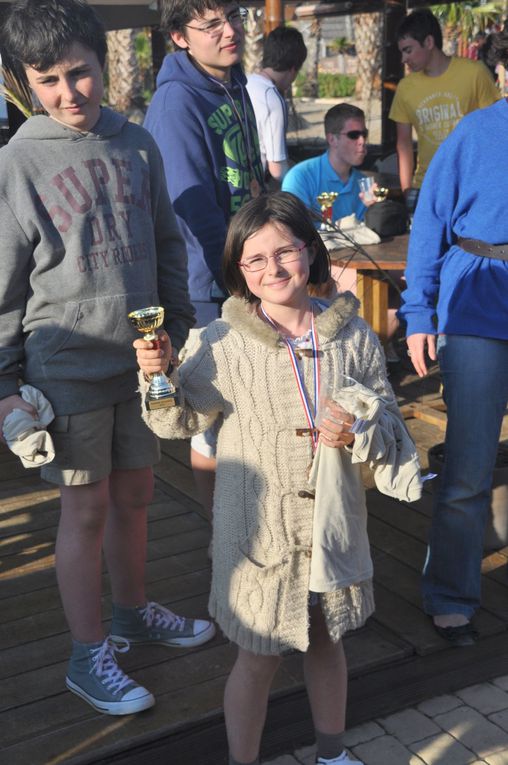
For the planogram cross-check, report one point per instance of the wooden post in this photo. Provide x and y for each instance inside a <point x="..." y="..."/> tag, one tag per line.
<point x="274" y="15"/>
<point x="373" y="296"/>
<point x="395" y="10"/>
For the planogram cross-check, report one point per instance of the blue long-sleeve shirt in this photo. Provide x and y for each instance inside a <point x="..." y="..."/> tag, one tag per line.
<point x="464" y="194"/>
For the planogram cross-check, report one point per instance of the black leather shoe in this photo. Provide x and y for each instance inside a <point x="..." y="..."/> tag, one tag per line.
<point x="460" y="636"/>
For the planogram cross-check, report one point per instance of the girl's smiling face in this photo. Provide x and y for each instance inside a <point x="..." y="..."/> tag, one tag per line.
<point x="277" y="283"/>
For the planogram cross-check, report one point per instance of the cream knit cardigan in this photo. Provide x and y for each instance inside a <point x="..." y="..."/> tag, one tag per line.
<point x="263" y="512"/>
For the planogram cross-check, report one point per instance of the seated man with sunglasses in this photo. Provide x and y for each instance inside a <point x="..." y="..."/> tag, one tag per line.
<point x="335" y="170"/>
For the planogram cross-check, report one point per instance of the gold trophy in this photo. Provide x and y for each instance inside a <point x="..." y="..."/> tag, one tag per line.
<point x="162" y="392"/>
<point x="326" y="200"/>
<point x="381" y="193"/>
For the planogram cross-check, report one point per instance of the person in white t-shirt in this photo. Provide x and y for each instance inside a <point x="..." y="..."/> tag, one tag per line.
<point x="284" y="52"/>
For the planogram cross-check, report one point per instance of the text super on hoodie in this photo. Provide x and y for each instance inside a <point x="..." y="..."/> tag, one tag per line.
<point x="87" y="235"/>
<point x="209" y="144"/>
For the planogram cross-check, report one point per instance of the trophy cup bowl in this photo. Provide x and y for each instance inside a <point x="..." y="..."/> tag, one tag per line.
<point x="161" y="392"/>
<point x="381" y="193"/>
<point x="325" y="200"/>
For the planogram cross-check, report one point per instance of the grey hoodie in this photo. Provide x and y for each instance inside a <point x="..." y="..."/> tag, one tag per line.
<point x="87" y="235"/>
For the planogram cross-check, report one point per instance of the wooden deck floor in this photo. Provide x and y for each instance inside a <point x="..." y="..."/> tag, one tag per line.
<point x="396" y="660"/>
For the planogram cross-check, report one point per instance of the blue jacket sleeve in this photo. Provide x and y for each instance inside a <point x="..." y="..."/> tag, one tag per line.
<point x="191" y="182"/>
<point x="431" y="238"/>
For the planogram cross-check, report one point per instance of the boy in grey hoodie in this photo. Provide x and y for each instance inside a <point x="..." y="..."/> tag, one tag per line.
<point x="88" y="235"/>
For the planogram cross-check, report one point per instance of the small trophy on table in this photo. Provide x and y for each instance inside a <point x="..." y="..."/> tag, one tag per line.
<point x="162" y="392"/>
<point x="326" y="200"/>
<point x="381" y="193"/>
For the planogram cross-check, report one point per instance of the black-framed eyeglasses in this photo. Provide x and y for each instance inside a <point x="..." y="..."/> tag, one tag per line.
<point x="260" y="262"/>
<point x="236" y="18"/>
<point x="354" y="135"/>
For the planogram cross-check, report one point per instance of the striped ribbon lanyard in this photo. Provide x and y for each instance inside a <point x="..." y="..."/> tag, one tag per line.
<point x="311" y="416"/>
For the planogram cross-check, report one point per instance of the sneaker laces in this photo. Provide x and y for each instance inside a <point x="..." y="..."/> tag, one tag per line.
<point x="104" y="664"/>
<point x="154" y="613"/>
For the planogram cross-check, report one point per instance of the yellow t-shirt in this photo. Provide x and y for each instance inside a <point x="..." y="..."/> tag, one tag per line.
<point x="434" y="105"/>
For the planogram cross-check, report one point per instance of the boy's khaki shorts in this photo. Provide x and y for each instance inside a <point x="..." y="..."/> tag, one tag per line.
<point x="90" y="445"/>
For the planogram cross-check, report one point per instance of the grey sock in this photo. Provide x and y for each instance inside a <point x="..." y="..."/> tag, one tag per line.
<point x="232" y="761"/>
<point x="329" y="745"/>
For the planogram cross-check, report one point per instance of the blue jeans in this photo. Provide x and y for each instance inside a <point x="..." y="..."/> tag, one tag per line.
<point x="475" y="380"/>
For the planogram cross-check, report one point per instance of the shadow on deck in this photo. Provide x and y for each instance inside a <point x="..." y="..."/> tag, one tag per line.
<point x="394" y="661"/>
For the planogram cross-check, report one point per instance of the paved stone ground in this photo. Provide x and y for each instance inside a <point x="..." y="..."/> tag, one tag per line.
<point x="469" y="727"/>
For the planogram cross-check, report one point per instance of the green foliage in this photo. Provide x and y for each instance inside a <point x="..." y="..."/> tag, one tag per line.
<point x="468" y="18"/>
<point x="143" y="46"/>
<point x="340" y="45"/>
<point x="329" y="85"/>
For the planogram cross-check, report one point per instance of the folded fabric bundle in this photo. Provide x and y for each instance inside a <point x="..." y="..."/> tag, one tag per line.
<point x="25" y="434"/>
<point x="355" y="230"/>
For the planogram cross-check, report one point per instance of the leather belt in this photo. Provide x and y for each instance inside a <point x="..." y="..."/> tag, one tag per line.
<point x="483" y="249"/>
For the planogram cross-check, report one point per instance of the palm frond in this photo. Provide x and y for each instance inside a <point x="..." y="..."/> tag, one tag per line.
<point x="16" y="92"/>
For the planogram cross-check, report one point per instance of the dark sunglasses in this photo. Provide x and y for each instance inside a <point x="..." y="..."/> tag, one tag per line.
<point x="354" y="135"/>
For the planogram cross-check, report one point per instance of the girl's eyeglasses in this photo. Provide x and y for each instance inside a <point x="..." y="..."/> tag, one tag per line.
<point x="214" y="28"/>
<point x="282" y="257"/>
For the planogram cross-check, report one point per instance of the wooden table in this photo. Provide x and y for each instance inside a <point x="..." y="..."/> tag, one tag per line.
<point x="372" y="289"/>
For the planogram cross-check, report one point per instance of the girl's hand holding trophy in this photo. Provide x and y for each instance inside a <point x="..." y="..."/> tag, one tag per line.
<point x="154" y="355"/>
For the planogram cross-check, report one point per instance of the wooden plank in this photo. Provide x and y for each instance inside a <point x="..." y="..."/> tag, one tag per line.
<point x="178" y="475"/>
<point x="429" y="414"/>
<point x="41" y="542"/>
<point x="35" y="601"/>
<point x="178" y="449"/>
<point x="411" y="552"/>
<point x="173" y="592"/>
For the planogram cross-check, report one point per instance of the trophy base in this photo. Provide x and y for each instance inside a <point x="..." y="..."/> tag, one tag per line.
<point x="160" y="403"/>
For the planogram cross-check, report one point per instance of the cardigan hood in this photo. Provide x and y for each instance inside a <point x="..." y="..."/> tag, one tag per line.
<point x="243" y="316"/>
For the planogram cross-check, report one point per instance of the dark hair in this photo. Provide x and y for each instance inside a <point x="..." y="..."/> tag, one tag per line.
<point x="284" y="49"/>
<point x="280" y="208"/>
<point x="39" y="33"/>
<point x="500" y="47"/>
<point x="176" y="14"/>
<point x="335" y="118"/>
<point x="419" y="25"/>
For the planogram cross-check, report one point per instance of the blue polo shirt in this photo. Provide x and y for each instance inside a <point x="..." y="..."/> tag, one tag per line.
<point x="311" y="177"/>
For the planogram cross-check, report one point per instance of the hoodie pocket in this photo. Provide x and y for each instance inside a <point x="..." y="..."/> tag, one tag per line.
<point x="92" y="340"/>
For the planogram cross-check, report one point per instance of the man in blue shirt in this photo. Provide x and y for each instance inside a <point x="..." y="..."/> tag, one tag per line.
<point x="335" y="170"/>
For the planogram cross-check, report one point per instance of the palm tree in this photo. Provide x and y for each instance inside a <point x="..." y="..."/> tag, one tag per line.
<point x="460" y="22"/>
<point x="125" y="80"/>
<point x="368" y="31"/>
<point x="253" y="52"/>
<point x="16" y="92"/>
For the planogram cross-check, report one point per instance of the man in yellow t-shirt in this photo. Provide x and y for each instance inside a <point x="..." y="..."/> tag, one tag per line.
<point x="436" y="95"/>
